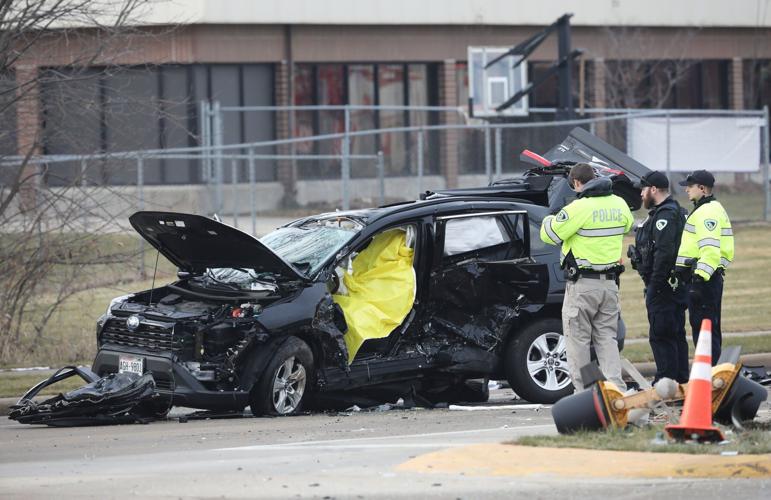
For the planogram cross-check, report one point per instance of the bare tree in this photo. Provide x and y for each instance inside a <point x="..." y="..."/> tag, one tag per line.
<point x="51" y="220"/>
<point x="632" y="82"/>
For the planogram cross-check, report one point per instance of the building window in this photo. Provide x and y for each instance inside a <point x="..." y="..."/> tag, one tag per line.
<point x="361" y="91"/>
<point x="95" y="110"/>
<point x="364" y="85"/>
<point x="684" y="84"/>
<point x="757" y="85"/>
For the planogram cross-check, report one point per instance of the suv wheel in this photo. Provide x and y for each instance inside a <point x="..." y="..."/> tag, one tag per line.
<point x="536" y="363"/>
<point x="284" y="386"/>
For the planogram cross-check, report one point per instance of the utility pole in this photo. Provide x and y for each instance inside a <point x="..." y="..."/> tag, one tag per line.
<point x="565" y="75"/>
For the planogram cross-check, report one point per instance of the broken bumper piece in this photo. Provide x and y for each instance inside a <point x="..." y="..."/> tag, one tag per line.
<point x="117" y="398"/>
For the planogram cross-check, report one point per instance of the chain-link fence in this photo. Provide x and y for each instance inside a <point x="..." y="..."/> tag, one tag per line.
<point x="438" y="148"/>
<point x="429" y="147"/>
<point x="350" y="165"/>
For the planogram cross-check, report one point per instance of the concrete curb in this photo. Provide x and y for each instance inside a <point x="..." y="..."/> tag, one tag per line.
<point x="647" y="369"/>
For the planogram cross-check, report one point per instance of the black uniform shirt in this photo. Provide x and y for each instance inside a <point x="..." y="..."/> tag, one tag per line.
<point x="657" y="239"/>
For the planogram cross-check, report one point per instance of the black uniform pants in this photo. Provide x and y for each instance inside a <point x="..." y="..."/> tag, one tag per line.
<point x="708" y="308"/>
<point x="666" y="334"/>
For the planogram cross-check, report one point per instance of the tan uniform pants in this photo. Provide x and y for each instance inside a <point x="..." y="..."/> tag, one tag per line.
<point x="590" y="317"/>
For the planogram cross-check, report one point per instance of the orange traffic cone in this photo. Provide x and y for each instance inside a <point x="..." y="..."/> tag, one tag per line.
<point x="696" y="420"/>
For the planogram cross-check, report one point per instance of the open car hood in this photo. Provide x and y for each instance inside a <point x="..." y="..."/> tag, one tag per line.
<point x="194" y="243"/>
<point x="581" y="146"/>
<point x="546" y="184"/>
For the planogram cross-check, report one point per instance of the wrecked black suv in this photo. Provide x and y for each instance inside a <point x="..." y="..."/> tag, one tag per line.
<point x="415" y="300"/>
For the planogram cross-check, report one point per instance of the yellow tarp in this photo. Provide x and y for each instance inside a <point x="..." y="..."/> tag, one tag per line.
<point x="381" y="290"/>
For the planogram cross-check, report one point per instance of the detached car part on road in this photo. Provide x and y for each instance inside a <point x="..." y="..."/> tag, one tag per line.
<point x="117" y="398"/>
<point x="411" y="300"/>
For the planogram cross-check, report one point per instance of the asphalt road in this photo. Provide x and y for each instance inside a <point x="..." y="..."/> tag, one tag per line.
<point x="345" y="455"/>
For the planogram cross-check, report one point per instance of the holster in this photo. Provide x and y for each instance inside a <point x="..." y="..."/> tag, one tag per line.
<point x="570" y="267"/>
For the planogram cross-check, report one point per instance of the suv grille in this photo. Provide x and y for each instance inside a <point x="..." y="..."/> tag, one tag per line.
<point x="151" y="337"/>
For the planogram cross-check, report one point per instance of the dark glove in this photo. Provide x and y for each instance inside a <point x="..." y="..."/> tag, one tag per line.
<point x="698" y="292"/>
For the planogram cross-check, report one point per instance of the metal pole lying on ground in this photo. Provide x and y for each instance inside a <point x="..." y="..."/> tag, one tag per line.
<point x="252" y="187"/>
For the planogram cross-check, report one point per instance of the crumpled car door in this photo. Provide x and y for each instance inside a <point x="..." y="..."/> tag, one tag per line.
<point x="475" y="293"/>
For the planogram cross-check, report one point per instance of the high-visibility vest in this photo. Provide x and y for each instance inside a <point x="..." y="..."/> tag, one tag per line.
<point x="707" y="237"/>
<point x="592" y="228"/>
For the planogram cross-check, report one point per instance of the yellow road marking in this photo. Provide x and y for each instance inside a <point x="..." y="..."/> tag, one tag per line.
<point x="512" y="460"/>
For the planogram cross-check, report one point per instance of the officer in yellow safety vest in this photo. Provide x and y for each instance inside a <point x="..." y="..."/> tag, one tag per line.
<point x="591" y="231"/>
<point x="706" y="250"/>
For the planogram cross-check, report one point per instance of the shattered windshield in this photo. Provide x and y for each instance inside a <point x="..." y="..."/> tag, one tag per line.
<point x="310" y="244"/>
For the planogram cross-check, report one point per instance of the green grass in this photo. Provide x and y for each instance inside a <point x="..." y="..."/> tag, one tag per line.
<point x="741" y="207"/>
<point x="639" y="353"/>
<point x="755" y="440"/>
<point x="746" y="292"/>
<point x="14" y="384"/>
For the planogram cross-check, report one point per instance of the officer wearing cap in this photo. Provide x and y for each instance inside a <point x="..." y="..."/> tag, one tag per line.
<point x="591" y="231"/>
<point x="657" y="240"/>
<point x="706" y="250"/>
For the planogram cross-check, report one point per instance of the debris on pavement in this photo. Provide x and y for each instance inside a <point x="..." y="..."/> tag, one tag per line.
<point x="535" y="407"/>
<point x="117" y="398"/>
<point x="735" y="398"/>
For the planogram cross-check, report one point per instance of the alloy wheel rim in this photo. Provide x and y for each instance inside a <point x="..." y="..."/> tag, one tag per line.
<point x="547" y="362"/>
<point x="288" y="386"/>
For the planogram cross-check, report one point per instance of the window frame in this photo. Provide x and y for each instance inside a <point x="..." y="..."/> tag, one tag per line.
<point x="440" y="222"/>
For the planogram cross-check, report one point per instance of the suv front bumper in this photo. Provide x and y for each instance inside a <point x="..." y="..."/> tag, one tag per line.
<point x="173" y="380"/>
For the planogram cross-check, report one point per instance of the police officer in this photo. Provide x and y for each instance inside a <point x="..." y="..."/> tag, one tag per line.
<point x="706" y="250"/>
<point x="590" y="230"/>
<point x="657" y="240"/>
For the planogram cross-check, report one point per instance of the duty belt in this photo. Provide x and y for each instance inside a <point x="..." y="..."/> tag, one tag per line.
<point x="597" y="275"/>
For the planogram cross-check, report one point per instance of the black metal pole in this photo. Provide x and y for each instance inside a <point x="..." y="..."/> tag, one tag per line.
<point x="565" y="101"/>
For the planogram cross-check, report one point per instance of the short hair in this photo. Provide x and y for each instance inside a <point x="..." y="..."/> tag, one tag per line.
<point x="581" y="172"/>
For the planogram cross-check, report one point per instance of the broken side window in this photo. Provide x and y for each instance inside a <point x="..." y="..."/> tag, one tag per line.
<point x="473" y="233"/>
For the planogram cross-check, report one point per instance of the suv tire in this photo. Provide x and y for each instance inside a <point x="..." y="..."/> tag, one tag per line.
<point x="285" y="384"/>
<point x="536" y="362"/>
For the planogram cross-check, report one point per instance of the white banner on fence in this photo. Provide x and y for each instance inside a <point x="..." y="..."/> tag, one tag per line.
<point x="721" y="144"/>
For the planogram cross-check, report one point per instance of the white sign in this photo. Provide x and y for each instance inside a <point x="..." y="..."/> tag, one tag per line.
<point x="717" y="144"/>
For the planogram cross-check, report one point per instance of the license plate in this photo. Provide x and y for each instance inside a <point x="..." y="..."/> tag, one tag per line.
<point x="131" y="364"/>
